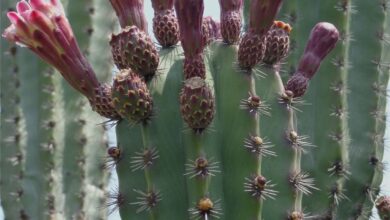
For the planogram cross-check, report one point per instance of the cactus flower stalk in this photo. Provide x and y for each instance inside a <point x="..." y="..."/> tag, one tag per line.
<point x="130" y="12"/>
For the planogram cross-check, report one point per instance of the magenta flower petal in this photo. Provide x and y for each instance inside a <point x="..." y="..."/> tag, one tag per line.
<point x="22" y="7"/>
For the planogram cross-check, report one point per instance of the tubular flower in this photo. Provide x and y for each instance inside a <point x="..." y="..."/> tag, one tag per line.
<point x="43" y="27"/>
<point x="322" y="40"/>
<point x="130" y="12"/>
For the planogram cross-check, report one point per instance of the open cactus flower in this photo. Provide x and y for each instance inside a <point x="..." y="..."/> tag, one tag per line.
<point x="238" y="119"/>
<point x="43" y="27"/>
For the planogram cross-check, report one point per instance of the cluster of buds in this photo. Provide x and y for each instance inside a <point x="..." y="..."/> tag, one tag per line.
<point x="253" y="44"/>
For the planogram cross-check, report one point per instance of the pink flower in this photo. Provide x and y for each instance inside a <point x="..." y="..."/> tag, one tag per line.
<point x="43" y="27"/>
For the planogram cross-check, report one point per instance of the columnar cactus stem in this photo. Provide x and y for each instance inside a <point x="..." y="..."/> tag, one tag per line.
<point x="103" y="23"/>
<point x="369" y="106"/>
<point x="323" y="39"/>
<point x="41" y="167"/>
<point x="76" y="140"/>
<point x="168" y="169"/>
<point x="12" y="132"/>
<point x="234" y="87"/>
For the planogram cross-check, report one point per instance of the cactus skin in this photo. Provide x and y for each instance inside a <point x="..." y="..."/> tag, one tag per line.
<point x="76" y="140"/>
<point x="103" y="23"/>
<point x="369" y="106"/>
<point x="12" y="131"/>
<point x="190" y="197"/>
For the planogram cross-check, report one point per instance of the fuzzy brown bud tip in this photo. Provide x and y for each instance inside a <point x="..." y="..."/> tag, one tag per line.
<point x="190" y="14"/>
<point x="262" y="14"/>
<point x="130" y="12"/>
<point x="197" y="104"/>
<point x="322" y="40"/>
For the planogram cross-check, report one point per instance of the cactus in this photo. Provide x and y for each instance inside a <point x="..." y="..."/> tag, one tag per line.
<point x="12" y="131"/>
<point x="213" y="128"/>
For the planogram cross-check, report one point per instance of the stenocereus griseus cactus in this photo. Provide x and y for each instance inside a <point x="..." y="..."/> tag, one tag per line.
<point x="213" y="127"/>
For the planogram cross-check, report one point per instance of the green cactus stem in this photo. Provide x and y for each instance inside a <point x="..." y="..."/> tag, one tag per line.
<point x="103" y="23"/>
<point x="169" y="168"/>
<point x="74" y="164"/>
<point x="328" y="162"/>
<point x="40" y="110"/>
<point x="12" y="131"/>
<point x="235" y="87"/>
<point x="367" y="103"/>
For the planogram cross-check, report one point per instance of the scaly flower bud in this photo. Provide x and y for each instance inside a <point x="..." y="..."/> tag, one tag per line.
<point x="165" y="24"/>
<point x="197" y="104"/>
<point x="322" y="40"/>
<point x="134" y="49"/>
<point x="102" y="102"/>
<point x="130" y="12"/>
<point x="278" y="43"/>
<point x="131" y="97"/>
<point x="252" y="46"/>
<point x="43" y="27"/>
<point x="210" y="30"/>
<point x="231" y="20"/>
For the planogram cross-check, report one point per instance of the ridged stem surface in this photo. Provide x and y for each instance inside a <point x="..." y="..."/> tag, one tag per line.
<point x="74" y="164"/>
<point x="367" y="105"/>
<point x="270" y="88"/>
<point x="12" y="130"/>
<point x="43" y="148"/>
<point x="169" y="168"/>
<point x="103" y="22"/>
<point x="235" y="125"/>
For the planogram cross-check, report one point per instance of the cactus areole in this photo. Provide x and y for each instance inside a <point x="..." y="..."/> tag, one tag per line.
<point x="209" y="125"/>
